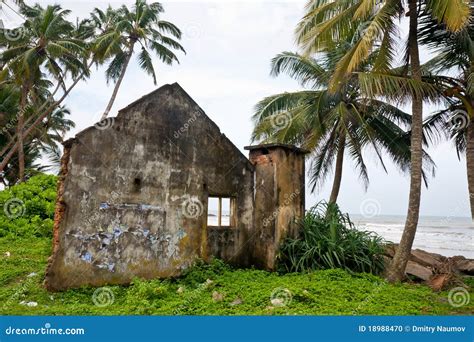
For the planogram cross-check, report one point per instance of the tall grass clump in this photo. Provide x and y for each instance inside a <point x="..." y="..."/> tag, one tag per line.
<point x="328" y="239"/>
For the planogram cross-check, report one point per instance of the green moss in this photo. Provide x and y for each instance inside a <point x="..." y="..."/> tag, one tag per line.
<point x="326" y="292"/>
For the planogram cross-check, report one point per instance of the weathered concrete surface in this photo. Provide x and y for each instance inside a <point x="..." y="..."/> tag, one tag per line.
<point x="279" y="198"/>
<point x="133" y="197"/>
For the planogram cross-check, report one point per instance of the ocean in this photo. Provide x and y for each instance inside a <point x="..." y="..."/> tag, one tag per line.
<point x="448" y="236"/>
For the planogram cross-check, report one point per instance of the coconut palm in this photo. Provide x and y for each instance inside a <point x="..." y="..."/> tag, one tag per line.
<point x="124" y="30"/>
<point x="44" y="141"/>
<point x="44" y="44"/>
<point x="454" y="54"/>
<point x="103" y="24"/>
<point x="331" y="124"/>
<point x="374" y="22"/>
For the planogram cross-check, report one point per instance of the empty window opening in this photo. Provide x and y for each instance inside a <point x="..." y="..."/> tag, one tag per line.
<point x="220" y="212"/>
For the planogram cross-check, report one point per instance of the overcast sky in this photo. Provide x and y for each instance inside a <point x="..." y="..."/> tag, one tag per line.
<point x="226" y="70"/>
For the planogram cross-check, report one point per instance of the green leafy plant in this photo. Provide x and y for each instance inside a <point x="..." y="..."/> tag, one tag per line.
<point x="322" y="292"/>
<point x="329" y="239"/>
<point x="200" y="271"/>
<point x="27" y="209"/>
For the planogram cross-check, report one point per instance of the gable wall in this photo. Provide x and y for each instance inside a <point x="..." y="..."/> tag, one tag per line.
<point x="156" y="166"/>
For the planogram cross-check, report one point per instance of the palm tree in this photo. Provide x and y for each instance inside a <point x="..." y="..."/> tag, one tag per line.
<point x="103" y="24"/>
<point x="124" y="29"/>
<point x="331" y="123"/>
<point x="455" y="54"/>
<point x="45" y="143"/>
<point x="328" y="21"/>
<point x="46" y="45"/>
<point x="45" y="139"/>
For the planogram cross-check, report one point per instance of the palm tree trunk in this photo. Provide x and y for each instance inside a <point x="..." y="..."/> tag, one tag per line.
<point x="21" y="150"/>
<point x="19" y="131"/>
<point x="470" y="164"/>
<point x="119" y="82"/>
<point x="12" y="147"/>
<point x="338" y="172"/>
<point x="396" y="271"/>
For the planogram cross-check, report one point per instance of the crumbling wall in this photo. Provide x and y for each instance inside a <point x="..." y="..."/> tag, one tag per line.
<point x="133" y="195"/>
<point x="279" y="198"/>
<point x="60" y="205"/>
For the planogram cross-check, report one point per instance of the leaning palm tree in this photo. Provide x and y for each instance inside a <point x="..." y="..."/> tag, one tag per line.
<point x="104" y="39"/>
<point x="329" y="21"/>
<point x="454" y="54"/>
<point x="44" y="141"/>
<point x="332" y="124"/>
<point x="44" y="144"/>
<point x="142" y="26"/>
<point x="45" y="45"/>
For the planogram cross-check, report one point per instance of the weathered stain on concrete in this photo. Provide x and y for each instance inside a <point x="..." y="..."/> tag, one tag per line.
<point x="279" y="198"/>
<point x="132" y="199"/>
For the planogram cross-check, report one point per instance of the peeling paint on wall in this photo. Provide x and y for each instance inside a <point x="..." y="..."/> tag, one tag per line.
<point x="133" y="198"/>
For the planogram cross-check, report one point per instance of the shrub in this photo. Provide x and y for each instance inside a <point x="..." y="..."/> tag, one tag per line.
<point x="27" y="209"/>
<point x="328" y="239"/>
<point x="200" y="271"/>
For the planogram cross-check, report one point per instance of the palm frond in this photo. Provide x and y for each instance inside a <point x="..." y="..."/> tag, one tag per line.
<point x="146" y="63"/>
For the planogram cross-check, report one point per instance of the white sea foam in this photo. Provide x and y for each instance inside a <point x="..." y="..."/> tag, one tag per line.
<point x="446" y="236"/>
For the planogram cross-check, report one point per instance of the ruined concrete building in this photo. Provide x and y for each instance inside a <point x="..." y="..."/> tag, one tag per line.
<point x="134" y="194"/>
